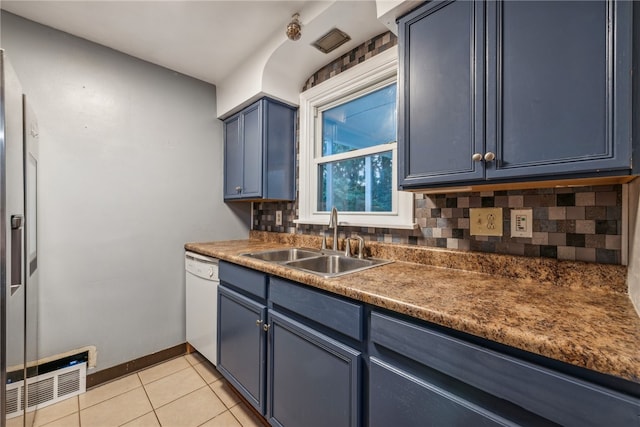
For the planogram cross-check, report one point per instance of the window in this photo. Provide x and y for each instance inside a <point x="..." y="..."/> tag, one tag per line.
<point x="352" y="177"/>
<point x="348" y="148"/>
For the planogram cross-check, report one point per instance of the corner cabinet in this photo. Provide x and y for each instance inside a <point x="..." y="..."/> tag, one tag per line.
<point x="259" y="152"/>
<point x="512" y="91"/>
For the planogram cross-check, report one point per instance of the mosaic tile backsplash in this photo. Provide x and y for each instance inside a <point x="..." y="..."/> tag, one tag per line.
<point x="583" y="224"/>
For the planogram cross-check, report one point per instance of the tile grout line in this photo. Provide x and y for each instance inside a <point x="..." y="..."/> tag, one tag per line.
<point x="194" y="391"/>
<point x="111" y="382"/>
<point x="142" y="385"/>
<point x="116" y="396"/>
<point x="169" y="374"/>
<point x="143" y="415"/>
<point x="241" y="402"/>
<point x="111" y="398"/>
<point x="179" y="397"/>
<point x="206" y="385"/>
<point x="79" y="417"/>
<point x="61" y="417"/>
<point x="227" y="409"/>
<point x="150" y="403"/>
<point x="79" y="410"/>
<point x="221" y="413"/>
<point x="219" y="397"/>
<point x="234" y="415"/>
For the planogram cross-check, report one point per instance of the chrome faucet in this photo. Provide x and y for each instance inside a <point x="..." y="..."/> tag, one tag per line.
<point x="333" y="223"/>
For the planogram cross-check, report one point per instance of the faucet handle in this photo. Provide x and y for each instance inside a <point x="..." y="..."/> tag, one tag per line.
<point x="360" y="246"/>
<point x="324" y="241"/>
<point x="347" y="246"/>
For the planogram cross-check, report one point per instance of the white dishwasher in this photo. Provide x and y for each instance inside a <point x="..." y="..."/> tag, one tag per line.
<point x="202" y="304"/>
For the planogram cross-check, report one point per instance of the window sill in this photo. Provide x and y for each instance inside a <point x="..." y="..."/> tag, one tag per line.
<point x="397" y="226"/>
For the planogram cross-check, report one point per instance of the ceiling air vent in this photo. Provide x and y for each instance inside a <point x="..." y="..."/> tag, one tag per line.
<point x="330" y="41"/>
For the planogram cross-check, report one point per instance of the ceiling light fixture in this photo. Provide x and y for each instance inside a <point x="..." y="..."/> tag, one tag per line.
<point x="294" y="29"/>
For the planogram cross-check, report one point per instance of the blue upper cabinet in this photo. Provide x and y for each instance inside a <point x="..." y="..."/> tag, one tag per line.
<point x="560" y="92"/>
<point x="259" y="162"/>
<point x="513" y="91"/>
<point x="441" y="93"/>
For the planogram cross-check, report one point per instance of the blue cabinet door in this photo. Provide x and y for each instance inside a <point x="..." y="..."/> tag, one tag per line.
<point x="253" y="162"/>
<point x="280" y="159"/>
<point x="243" y="163"/>
<point x="559" y="87"/>
<point x="314" y="381"/>
<point x="233" y="157"/>
<point x="242" y="345"/>
<point x="441" y="93"/>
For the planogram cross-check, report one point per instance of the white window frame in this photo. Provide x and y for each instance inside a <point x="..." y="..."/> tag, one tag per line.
<point x="372" y="74"/>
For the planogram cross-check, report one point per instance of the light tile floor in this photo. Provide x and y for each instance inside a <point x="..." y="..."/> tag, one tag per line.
<point x="183" y="392"/>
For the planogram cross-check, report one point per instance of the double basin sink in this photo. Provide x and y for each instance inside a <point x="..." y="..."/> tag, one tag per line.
<point x="323" y="263"/>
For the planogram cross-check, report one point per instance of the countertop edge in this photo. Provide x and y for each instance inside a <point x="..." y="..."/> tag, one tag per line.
<point x="549" y="345"/>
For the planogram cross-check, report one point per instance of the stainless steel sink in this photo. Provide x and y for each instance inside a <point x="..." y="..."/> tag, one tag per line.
<point x="283" y="255"/>
<point x="335" y="265"/>
<point x="323" y="263"/>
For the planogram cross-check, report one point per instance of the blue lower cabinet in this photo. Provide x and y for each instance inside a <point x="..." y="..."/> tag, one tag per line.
<point x="419" y="371"/>
<point x="303" y="357"/>
<point x="399" y="399"/>
<point x="292" y="373"/>
<point x="242" y="345"/>
<point x="314" y="380"/>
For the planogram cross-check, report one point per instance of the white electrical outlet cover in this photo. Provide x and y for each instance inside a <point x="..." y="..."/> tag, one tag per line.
<point x="522" y="223"/>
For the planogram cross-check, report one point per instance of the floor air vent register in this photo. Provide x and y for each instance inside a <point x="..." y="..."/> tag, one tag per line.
<point x="61" y="380"/>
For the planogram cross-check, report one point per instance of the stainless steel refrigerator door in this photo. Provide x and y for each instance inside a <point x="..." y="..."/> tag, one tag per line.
<point x="3" y="253"/>
<point x="12" y="281"/>
<point x="31" y="271"/>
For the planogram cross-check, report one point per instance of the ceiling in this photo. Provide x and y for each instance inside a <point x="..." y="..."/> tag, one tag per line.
<point x="207" y="40"/>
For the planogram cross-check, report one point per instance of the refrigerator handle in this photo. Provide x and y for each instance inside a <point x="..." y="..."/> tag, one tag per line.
<point x="17" y="225"/>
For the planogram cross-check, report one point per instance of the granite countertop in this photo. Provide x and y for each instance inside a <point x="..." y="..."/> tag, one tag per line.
<point x="589" y="322"/>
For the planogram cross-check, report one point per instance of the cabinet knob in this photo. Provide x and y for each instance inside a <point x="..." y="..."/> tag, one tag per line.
<point x="266" y="327"/>
<point x="258" y="322"/>
<point x="489" y="156"/>
<point x="238" y="189"/>
<point x="476" y="157"/>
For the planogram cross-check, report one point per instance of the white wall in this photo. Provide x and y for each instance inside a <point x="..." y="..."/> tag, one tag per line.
<point x="130" y="170"/>
<point x="280" y="67"/>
